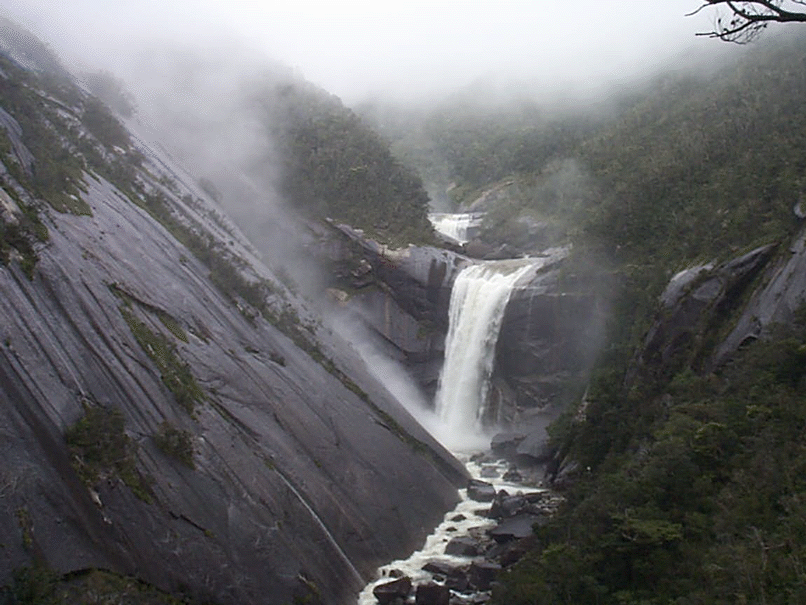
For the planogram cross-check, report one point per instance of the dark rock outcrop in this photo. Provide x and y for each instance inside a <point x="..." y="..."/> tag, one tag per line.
<point x="694" y="306"/>
<point x="432" y="594"/>
<point x="781" y="295"/>
<point x="483" y="573"/>
<point x="390" y="592"/>
<point x="402" y="295"/>
<point x="515" y="528"/>
<point x="506" y="444"/>
<point x="751" y="293"/>
<point x="462" y="547"/>
<point x="550" y="333"/>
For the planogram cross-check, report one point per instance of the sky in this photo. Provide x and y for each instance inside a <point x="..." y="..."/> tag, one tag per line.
<point x="404" y="48"/>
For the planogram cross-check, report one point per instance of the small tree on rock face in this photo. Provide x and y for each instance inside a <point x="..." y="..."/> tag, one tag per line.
<point x="745" y="20"/>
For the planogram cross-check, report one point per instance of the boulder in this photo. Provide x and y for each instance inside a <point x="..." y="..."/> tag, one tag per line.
<point x="458" y="582"/>
<point x="390" y="591"/>
<point x="505" y="506"/>
<point x="444" y="569"/>
<point x="482" y="574"/>
<point x="515" y="528"/>
<point x="535" y="447"/>
<point x="489" y="472"/>
<point x="462" y="547"/>
<point x="432" y="594"/>
<point x="480" y="491"/>
<point x="513" y="475"/>
<point x="506" y="444"/>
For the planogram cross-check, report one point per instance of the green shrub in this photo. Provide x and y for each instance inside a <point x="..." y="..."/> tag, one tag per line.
<point x="176" y="443"/>
<point x="101" y="450"/>
<point x="175" y="373"/>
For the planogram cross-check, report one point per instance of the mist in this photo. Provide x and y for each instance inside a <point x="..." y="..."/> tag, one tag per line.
<point x="382" y="363"/>
<point x="200" y="73"/>
<point x="412" y="50"/>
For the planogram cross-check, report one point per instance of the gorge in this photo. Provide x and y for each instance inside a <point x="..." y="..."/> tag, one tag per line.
<point x="238" y="365"/>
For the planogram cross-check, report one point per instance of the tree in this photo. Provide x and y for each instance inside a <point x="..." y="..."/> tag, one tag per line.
<point x="747" y="19"/>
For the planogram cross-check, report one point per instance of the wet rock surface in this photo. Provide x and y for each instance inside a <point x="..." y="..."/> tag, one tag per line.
<point x="549" y="336"/>
<point x="300" y="458"/>
<point x="432" y="594"/>
<point x="402" y="295"/>
<point x="480" y="491"/>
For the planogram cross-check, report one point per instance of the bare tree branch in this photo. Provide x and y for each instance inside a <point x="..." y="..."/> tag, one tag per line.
<point x="746" y="19"/>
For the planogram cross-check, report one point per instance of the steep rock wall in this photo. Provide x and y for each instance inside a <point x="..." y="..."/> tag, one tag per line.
<point x="550" y="335"/>
<point x="708" y="312"/>
<point x="402" y="295"/>
<point x="306" y="473"/>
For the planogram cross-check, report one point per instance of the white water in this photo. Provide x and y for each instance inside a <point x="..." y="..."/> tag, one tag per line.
<point x="474" y="514"/>
<point x="455" y="226"/>
<point x="478" y="300"/>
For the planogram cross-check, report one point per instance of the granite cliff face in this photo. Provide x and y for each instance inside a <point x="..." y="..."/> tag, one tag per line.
<point x="552" y="331"/>
<point x="402" y="295"/>
<point x="170" y="410"/>
<point x="708" y="312"/>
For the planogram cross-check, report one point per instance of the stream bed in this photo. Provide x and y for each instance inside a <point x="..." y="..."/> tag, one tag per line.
<point x="459" y="560"/>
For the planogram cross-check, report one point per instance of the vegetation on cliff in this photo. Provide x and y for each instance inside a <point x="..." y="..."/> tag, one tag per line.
<point x="680" y="168"/>
<point x="689" y="486"/>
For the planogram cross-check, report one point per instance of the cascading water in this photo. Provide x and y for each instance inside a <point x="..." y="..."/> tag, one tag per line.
<point x="455" y="226"/>
<point x="478" y="301"/>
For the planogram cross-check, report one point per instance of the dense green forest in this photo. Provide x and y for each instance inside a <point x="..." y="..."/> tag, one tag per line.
<point x="689" y="484"/>
<point x="334" y="165"/>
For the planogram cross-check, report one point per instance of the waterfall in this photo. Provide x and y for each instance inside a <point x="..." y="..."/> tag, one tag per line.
<point x="478" y="301"/>
<point x="455" y="226"/>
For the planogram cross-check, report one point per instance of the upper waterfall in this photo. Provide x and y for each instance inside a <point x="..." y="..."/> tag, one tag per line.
<point x="478" y="301"/>
<point x="455" y="226"/>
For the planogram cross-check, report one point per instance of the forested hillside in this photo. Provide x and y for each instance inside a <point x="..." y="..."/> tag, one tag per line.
<point x="683" y="165"/>
<point x="684" y="477"/>
<point x="333" y="165"/>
